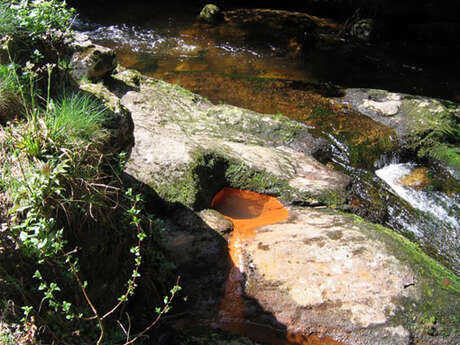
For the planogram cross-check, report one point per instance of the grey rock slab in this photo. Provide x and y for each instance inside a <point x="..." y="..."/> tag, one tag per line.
<point x="91" y="61"/>
<point x="173" y="124"/>
<point x="397" y="110"/>
<point x="319" y="272"/>
<point x="426" y="126"/>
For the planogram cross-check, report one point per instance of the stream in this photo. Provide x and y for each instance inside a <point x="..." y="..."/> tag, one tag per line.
<point x="157" y="39"/>
<point x="166" y="42"/>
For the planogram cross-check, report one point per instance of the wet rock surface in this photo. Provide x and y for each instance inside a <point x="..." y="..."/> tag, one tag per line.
<point x="437" y="228"/>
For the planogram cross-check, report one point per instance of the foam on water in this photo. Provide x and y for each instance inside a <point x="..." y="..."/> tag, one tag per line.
<point x="437" y="204"/>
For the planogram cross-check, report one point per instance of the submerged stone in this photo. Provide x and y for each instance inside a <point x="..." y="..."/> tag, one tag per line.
<point x="363" y="29"/>
<point x="417" y="179"/>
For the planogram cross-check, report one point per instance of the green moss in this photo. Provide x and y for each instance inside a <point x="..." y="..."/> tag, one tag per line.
<point x="437" y="286"/>
<point x="197" y="185"/>
<point x="320" y="109"/>
<point x="433" y="131"/>
<point x="176" y="90"/>
<point x="182" y="190"/>
<point x="332" y="198"/>
<point x="364" y="153"/>
<point x="210" y="172"/>
<point x="241" y="176"/>
<point x="335" y="235"/>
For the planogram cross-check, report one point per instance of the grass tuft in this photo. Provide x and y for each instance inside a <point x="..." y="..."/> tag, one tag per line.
<point x="75" y="117"/>
<point x="10" y="102"/>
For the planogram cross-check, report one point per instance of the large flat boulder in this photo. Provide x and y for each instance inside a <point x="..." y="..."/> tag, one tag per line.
<point x="324" y="273"/>
<point x="188" y="149"/>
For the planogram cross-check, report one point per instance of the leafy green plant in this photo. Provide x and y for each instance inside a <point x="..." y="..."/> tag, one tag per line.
<point x="34" y="18"/>
<point x="66" y="188"/>
<point x="8" y="82"/>
<point x="435" y="133"/>
<point x="62" y="182"/>
<point x="35" y="34"/>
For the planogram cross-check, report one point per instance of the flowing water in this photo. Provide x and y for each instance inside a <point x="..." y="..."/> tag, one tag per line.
<point x="162" y="38"/>
<point x="436" y="204"/>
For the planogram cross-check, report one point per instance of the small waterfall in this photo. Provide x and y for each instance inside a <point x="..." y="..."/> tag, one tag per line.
<point x="434" y="221"/>
<point x="437" y="204"/>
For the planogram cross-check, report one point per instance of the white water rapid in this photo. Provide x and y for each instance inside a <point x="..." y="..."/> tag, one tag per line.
<point x="437" y="204"/>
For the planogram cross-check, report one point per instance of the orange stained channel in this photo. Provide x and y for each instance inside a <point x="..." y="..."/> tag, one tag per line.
<point x="249" y="211"/>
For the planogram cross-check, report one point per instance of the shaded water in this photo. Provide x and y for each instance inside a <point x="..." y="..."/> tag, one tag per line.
<point x="183" y="47"/>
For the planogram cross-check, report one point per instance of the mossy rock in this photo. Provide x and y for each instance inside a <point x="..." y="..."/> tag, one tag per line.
<point x="209" y="172"/>
<point x="93" y="63"/>
<point x="426" y="126"/>
<point x="435" y="313"/>
<point x="187" y="149"/>
<point x="210" y="14"/>
<point x="358" y="282"/>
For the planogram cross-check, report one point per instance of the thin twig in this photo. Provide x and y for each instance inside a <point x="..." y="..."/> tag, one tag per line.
<point x="131" y="286"/>
<point x="165" y="308"/>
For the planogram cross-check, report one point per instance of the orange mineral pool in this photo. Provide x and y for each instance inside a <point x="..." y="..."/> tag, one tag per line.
<point x="249" y="211"/>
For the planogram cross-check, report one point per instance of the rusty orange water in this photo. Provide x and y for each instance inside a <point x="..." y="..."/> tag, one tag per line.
<point x="249" y="211"/>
